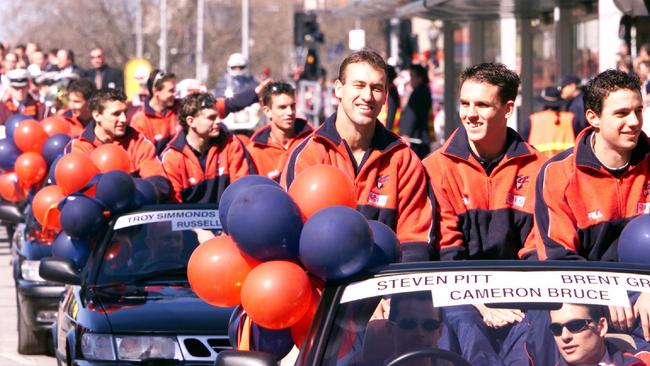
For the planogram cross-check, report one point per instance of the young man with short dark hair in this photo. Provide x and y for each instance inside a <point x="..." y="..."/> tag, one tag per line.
<point x="586" y="195"/>
<point x="77" y="115"/>
<point x="203" y="158"/>
<point x="109" y="126"/>
<point x="483" y="180"/>
<point x="271" y="144"/>
<point x="390" y="180"/>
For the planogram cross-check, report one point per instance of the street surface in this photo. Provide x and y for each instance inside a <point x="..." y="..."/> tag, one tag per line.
<point x="9" y="334"/>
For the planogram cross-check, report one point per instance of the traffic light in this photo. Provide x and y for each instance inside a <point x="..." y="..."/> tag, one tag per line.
<point x="306" y="30"/>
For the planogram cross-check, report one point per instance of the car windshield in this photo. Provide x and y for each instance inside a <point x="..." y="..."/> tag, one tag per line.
<point x="154" y="245"/>
<point x="505" y="317"/>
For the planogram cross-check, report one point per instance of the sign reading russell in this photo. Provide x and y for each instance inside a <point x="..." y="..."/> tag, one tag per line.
<point x="463" y="288"/>
<point x="180" y="219"/>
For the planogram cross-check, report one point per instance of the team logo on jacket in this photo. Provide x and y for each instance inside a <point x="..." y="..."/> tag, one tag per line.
<point x="520" y="180"/>
<point x="515" y="200"/>
<point x="643" y="207"/>
<point x="377" y="199"/>
<point x="381" y="181"/>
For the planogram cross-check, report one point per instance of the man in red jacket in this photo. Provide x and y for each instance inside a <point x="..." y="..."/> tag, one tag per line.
<point x="271" y="144"/>
<point x="390" y="181"/>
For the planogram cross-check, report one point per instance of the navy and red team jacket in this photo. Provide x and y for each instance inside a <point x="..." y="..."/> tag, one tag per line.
<point x="485" y="216"/>
<point x="204" y="181"/>
<point x="390" y="181"/>
<point x="582" y="207"/>
<point x="270" y="157"/>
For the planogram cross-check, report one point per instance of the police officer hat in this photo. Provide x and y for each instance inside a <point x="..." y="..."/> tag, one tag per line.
<point x="18" y="78"/>
<point x="550" y="97"/>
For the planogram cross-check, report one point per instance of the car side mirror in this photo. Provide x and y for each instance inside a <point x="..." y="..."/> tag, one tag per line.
<point x="245" y="358"/>
<point x="61" y="270"/>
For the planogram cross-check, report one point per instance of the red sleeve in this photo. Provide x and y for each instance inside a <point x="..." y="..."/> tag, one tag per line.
<point x="172" y="164"/>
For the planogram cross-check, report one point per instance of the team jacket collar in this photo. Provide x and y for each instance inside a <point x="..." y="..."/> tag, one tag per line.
<point x="151" y="112"/>
<point x="382" y="139"/>
<point x="458" y="145"/>
<point x="88" y="134"/>
<point x="179" y="142"/>
<point x="263" y="135"/>
<point x="586" y="157"/>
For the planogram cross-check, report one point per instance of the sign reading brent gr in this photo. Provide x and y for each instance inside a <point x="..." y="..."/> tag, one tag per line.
<point x="463" y="288"/>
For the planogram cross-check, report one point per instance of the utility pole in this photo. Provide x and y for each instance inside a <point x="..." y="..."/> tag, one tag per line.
<point x="200" y="4"/>
<point x="245" y="29"/>
<point x="138" y="29"/>
<point x="163" y="35"/>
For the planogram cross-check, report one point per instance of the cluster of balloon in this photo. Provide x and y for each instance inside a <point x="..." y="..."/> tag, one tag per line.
<point x="26" y="153"/>
<point x="279" y="247"/>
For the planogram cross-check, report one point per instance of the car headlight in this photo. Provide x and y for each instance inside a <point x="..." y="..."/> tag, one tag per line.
<point x="136" y="348"/>
<point x="97" y="346"/>
<point x="29" y="270"/>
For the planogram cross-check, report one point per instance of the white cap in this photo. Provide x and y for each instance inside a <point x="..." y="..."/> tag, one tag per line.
<point x="237" y="59"/>
<point x="18" y="78"/>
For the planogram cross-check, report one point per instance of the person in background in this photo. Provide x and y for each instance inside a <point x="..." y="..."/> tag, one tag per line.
<point x="77" y="114"/>
<point x="571" y="91"/>
<point x="391" y="111"/>
<point x="551" y="130"/>
<point x="101" y="74"/>
<point x="414" y="119"/>
<point x="270" y="145"/>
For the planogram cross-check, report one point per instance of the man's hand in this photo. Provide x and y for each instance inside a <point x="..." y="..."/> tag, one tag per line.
<point x="260" y="87"/>
<point x="497" y="318"/>
<point x="642" y="310"/>
<point x="622" y="317"/>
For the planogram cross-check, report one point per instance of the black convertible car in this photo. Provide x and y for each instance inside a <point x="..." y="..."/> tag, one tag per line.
<point x="132" y="303"/>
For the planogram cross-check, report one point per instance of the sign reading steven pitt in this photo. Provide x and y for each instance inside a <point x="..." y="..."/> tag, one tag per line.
<point x="464" y="287"/>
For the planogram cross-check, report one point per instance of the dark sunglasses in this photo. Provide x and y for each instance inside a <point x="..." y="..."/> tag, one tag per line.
<point x="573" y="326"/>
<point x="428" y="325"/>
<point x="159" y="75"/>
<point x="208" y="102"/>
<point x="280" y="87"/>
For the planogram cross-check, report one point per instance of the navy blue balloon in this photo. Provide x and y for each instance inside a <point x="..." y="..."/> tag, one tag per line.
<point x="386" y="249"/>
<point x="12" y="123"/>
<point x="235" y="189"/>
<point x="53" y="147"/>
<point x="276" y="342"/>
<point x="81" y="216"/>
<point x="116" y="190"/>
<point x="336" y="242"/>
<point x="51" y="179"/>
<point x="145" y="193"/>
<point x="265" y="223"/>
<point x="634" y="241"/>
<point x="8" y="154"/>
<point x="75" y="250"/>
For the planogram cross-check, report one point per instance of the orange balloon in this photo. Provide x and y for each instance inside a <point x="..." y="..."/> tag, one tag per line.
<point x="321" y="186"/>
<point x="54" y="125"/>
<point x="111" y="157"/>
<point x="30" y="168"/>
<point x="10" y="188"/>
<point x="276" y="294"/>
<point x="217" y="269"/>
<point x="30" y="136"/>
<point x="74" y="171"/>
<point x="300" y="329"/>
<point x="45" y="207"/>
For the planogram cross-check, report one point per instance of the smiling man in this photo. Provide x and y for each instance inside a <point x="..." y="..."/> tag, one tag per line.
<point x="390" y="181"/>
<point x="586" y="195"/>
<point x="109" y="126"/>
<point x="483" y="180"/>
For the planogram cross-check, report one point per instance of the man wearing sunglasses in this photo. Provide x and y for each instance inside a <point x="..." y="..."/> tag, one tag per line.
<point x="414" y="324"/>
<point x="270" y="145"/>
<point x="158" y="117"/>
<point x="579" y="331"/>
<point x="203" y="158"/>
